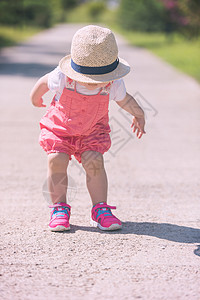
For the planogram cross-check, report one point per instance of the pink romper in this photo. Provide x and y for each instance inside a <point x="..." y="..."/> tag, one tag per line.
<point x="76" y="123"/>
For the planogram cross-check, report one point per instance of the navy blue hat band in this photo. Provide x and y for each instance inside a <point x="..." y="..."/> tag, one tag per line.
<point x="94" y="70"/>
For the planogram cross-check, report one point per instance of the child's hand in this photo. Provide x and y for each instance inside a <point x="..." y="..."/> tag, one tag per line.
<point x="138" y="126"/>
<point x="39" y="103"/>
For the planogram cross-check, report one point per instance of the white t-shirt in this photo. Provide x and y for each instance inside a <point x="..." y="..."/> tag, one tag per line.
<point x="57" y="82"/>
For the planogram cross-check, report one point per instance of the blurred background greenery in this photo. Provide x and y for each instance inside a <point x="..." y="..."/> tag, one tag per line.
<point x="168" y="28"/>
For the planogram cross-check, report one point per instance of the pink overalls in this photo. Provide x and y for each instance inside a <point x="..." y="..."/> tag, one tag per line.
<point x="75" y="124"/>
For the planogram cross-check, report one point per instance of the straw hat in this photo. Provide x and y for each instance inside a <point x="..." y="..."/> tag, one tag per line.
<point x="94" y="57"/>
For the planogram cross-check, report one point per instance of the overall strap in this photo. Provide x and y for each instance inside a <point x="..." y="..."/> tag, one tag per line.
<point x="101" y="89"/>
<point x="106" y="88"/>
<point x="70" y="83"/>
<point x="75" y="87"/>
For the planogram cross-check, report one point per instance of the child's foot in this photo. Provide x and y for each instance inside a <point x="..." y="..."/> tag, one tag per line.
<point x="103" y="218"/>
<point x="60" y="215"/>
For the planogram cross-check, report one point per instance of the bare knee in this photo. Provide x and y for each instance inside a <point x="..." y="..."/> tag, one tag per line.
<point x="92" y="162"/>
<point x="58" y="162"/>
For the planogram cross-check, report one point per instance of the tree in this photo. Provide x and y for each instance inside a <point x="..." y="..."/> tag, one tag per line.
<point x="184" y="15"/>
<point x="33" y="12"/>
<point x="142" y="15"/>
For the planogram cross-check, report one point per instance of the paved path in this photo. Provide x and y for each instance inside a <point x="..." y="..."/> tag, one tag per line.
<point x="154" y="182"/>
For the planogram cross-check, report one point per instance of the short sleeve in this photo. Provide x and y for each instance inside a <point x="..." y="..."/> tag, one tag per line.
<point x="56" y="81"/>
<point x="118" y="90"/>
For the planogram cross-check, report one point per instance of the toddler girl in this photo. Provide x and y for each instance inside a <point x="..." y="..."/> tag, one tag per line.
<point x="76" y="123"/>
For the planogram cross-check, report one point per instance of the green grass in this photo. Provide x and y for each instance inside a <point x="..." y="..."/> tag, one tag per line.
<point x="79" y="15"/>
<point x="82" y="14"/>
<point x="10" y="36"/>
<point x="181" y="53"/>
<point x="184" y="55"/>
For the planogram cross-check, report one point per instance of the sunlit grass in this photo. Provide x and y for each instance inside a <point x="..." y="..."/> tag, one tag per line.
<point x="79" y="15"/>
<point x="185" y="55"/>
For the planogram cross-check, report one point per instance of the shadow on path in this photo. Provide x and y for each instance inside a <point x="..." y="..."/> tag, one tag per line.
<point x="165" y="231"/>
<point x="25" y="69"/>
<point x="30" y="60"/>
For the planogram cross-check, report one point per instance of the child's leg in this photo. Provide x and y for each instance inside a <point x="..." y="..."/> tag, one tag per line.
<point x="97" y="186"/>
<point x="96" y="178"/>
<point x="57" y="176"/>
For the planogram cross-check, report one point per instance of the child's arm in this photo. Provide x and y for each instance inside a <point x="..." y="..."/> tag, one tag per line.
<point x="39" y="89"/>
<point x="130" y="105"/>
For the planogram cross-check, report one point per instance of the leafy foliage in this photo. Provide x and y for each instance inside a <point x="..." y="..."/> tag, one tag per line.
<point x="142" y="15"/>
<point x="33" y="12"/>
<point x="88" y="12"/>
<point x="185" y="14"/>
<point x="95" y="9"/>
<point x="161" y="15"/>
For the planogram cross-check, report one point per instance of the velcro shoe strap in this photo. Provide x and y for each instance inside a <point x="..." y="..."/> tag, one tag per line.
<point x="104" y="205"/>
<point x="60" y="204"/>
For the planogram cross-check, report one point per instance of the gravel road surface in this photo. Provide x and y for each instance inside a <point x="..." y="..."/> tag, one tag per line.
<point x="154" y="182"/>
